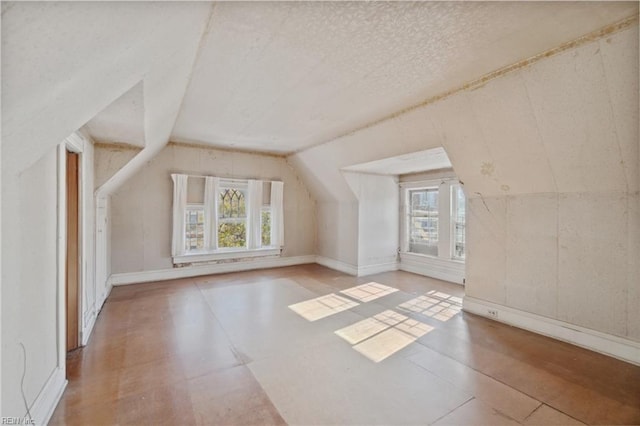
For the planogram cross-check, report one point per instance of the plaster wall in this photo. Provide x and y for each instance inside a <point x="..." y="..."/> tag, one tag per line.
<point x="109" y="158"/>
<point x="90" y="303"/>
<point x="549" y="157"/>
<point x="378" y="217"/>
<point x="51" y="55"/>
<point x="53" y="51"/>
<point x="29" y="294"/>
<point x="141" y="208"/>
<point x="338" y="231"/>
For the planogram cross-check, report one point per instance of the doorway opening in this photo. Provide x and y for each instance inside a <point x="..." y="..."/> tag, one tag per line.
<point x="72" y="285"/>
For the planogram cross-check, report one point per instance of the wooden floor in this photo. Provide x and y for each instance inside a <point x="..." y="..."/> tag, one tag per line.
<point x="259" y="348"/>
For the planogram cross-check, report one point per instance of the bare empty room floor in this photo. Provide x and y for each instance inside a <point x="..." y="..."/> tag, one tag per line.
<point x="308" y="345"/>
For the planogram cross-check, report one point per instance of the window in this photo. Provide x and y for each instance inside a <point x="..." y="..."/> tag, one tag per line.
<point x="225" y="218"/>
<point x="434" y="223"/>
<point x="194" y="227"/>
<point x="458" y="221"/>
<point x="423" y="221"/>
<point x="265" y="225"/>
<point x="232" y="218"/>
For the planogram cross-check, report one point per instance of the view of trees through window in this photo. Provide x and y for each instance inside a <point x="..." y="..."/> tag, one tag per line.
<point x="232" y="222"/>
<point x="265" y="226"/>
<point x="232" y="218"/>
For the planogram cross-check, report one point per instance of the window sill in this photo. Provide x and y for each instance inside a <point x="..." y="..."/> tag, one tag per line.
<point x="224" y="254"/>
<point x="418" y="256"/>
<point x="452" y="270"/>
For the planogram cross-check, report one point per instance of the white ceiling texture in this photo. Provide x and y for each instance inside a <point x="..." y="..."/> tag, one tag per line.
<point x="281" y="77"/>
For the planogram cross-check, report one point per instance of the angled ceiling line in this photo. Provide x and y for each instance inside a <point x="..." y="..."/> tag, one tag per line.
<point x="486" y="78"/>
<point x="154" y="145"/>
<point x="298" y="82"/>
<point x="201" y="44"/>
<point x="240" y="82"/>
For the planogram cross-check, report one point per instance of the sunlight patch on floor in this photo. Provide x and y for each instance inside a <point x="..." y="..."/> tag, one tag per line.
<point x="434" y="304"/>
<point x="368" y="292"/>
<point x="392" y="340"/>
<point x="369" y="327"/>
<point x="322" y="307"/>
<point x="384" y="334"/>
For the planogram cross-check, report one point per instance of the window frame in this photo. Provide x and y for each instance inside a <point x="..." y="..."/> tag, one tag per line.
<point x="454" y="187"/>
<point x="410" y="217"/>
<point x="194" y="207"/>
<point x="244" y="188"/>
<point x="445" y="218"/>
<point x="224" y="253"/>
<point x="263" y="209"/>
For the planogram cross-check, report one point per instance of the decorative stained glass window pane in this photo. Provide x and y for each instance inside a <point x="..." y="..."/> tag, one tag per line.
<point x="232" y="203"/>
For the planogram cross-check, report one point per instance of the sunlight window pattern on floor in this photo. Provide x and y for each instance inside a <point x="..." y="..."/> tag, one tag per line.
<point x="434" y="304"/>
<point x="368" y="292"/>
<point x="322" y="307"/>
<point x="384" y="334"/>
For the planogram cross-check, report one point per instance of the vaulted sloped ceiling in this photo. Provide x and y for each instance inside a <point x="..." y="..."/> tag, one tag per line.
<point x="122" y="121"/>
<point x="265" y="76"/>
<point x="284" y="76"/>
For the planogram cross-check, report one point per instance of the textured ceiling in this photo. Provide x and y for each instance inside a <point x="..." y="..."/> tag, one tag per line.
<point x="421" y="161"/>
<point x="281" y="77"/>
<point x="122" y="121"/>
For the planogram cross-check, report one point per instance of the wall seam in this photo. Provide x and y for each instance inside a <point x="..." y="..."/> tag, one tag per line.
<point x="481" y="81"/>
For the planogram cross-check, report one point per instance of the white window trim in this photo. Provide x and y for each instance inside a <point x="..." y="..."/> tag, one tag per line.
<point x="445" y="239"/>
<point x="454" y="208"/>
<point x="223" y="254"/>
<point x="444" y="266"/>
<point x="191" y="207"/>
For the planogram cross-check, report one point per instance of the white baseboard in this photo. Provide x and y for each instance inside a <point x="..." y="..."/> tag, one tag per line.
<point x="86" y="331"/>
<point x="47" y="401"/>
<point x="617" y="347"/>
<point x="347" y="268"/>
<point x="210" y="269"/>
<point x="376" y="269"/>
<point x="442" y="269"/>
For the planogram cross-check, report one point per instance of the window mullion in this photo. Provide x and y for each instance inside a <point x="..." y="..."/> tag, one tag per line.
<point x="444" y="219"/>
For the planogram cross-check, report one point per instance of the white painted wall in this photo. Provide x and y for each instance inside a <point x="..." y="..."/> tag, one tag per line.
<point x="89" y="302"/>
<point x="52" y="54"/>
<point x="549" y="157"/>
<point x="378" y="219"/>
<point x="53" y="51"/>
<point x="29" y="311"/>
<point x="33" y="306"/>
<point x="338" y="232"/>
<point x="141" y="208"/>
<point x="109" y="158"/>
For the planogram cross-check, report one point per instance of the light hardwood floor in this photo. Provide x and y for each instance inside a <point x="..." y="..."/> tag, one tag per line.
<point x="308" y="345"/>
